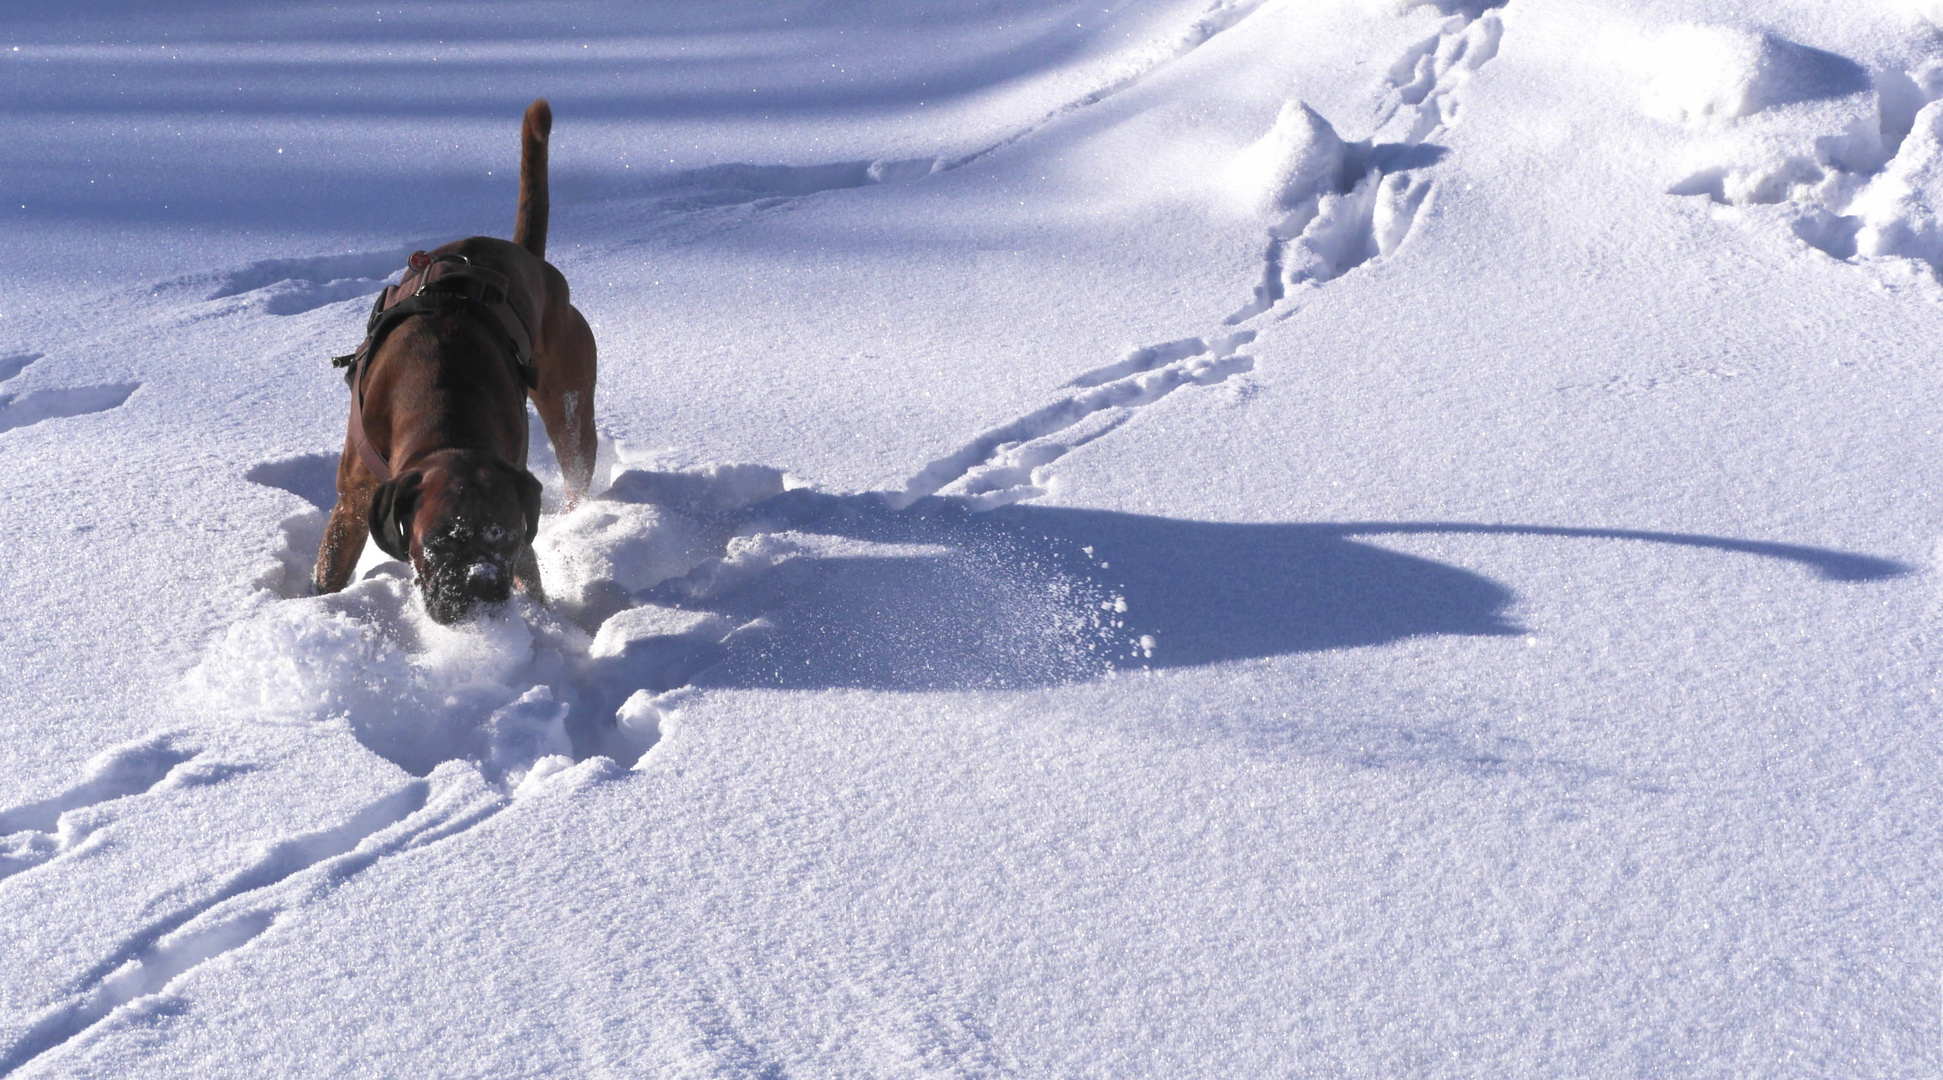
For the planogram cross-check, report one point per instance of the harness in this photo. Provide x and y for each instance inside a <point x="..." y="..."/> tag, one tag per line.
<point x="448" y="284"/>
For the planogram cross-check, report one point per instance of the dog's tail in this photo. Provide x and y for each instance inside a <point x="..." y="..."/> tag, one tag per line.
<point x="529" y="227"/>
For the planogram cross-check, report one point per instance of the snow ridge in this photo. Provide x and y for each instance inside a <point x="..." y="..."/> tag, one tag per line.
<point x="1220" y="17"/>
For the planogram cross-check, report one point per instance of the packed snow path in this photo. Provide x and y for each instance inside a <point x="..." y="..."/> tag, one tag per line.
<point x="1165" y="539"/>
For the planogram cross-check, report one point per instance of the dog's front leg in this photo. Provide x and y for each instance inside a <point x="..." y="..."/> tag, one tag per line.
<point x="526" y="574"/>
<point x="343" y="543"/>
<point x="349" y="525"/>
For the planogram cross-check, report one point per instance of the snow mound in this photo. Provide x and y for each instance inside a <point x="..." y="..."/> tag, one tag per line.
<point x="1899" y="210"/>
<point x="1333" y="205"/>
<point x="509" y="689"/>
<point x="1288" y="170"/>
<point x="1703" y="73"/>
<point x="412" y="691"/>
<point x="1867" y="192"/>
<point x="1332" y="199"/>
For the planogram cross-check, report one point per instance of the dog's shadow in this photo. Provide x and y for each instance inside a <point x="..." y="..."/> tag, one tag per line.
<point x="937" y="597"/>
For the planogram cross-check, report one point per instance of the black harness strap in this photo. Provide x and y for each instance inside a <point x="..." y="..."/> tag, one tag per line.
<point x="435" y="285"/>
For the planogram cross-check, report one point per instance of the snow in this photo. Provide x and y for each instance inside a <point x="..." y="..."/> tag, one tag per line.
<point x="1167" y="538"/>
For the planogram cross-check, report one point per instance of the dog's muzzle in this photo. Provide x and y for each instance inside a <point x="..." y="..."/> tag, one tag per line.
<point x="484" y="580"/>
<point x="451" y="596"/>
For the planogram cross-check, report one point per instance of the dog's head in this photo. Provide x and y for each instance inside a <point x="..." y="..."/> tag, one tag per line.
<point x="461" y="519"/>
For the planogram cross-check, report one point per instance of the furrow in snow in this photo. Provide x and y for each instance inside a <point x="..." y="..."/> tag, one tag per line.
<point x="289" y="874"/>
<point x="40" y="832"/>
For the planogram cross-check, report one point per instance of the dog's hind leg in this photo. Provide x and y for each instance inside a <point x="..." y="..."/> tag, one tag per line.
<point x="565" y="402"/>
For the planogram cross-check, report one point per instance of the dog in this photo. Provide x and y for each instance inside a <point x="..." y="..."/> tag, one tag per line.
<point x="434" y="461"/>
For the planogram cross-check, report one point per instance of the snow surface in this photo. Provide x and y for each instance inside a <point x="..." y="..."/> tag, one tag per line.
<point x="1152" y="538"/>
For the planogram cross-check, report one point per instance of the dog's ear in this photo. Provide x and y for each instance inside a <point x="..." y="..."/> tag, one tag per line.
<point x="529" y="502"/>
<point x="392" y="507"/>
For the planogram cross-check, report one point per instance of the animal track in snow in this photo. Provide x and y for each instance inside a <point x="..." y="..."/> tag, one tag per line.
<point x="1426" y="79"/>
<point x="284" y="878"/>
<point x="1145" y="359"/>
<point x="1336" y="205"/>
<point x="1005" y="464"/>
<point x="39" y="832"/>
<point x="22" y="410"/>
<point x="1333" y="205"/>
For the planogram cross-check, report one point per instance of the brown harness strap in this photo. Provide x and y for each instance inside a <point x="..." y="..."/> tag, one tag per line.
<point x="434" y="285"/>
<point x="367" y="453"/>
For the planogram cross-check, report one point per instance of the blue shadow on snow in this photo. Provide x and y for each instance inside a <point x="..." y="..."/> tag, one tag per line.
<point x="938" y="597"/>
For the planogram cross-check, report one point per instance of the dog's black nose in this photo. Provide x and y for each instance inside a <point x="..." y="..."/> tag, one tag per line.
<point x="485" y="581"/>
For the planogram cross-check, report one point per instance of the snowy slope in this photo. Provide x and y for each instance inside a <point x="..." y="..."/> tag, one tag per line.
<point x="1146" y="539"/>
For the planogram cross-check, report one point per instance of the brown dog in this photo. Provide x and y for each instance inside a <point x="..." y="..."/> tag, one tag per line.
<point x="434" y="461"/>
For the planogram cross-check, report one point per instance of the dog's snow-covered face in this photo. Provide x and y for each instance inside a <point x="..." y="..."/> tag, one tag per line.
<point x="463" y="520"/>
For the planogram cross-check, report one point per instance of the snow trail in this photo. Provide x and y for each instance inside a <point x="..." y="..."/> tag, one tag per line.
<point x="287" y="876"/>
<point x="40" y="832"/>
<point x="1334" y="206"/>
